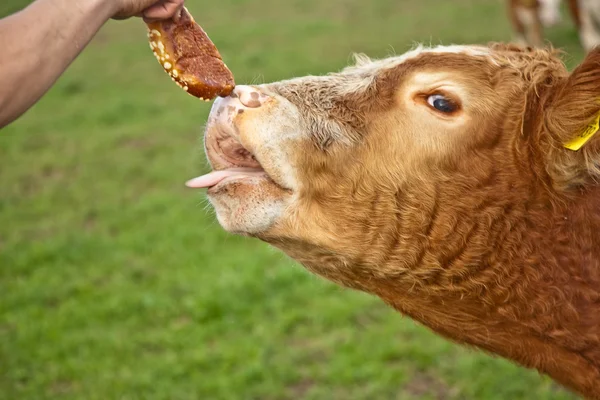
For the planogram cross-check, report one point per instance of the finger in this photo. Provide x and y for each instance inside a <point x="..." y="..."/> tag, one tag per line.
<point x="176" y="16"/>
<point x="162" y="10"/>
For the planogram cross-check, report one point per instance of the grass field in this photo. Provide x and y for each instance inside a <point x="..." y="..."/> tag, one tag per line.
<point x="117" y="283"/>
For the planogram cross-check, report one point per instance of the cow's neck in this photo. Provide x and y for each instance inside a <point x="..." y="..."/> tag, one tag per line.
<point x="505" y="268"/>
<point x="516" y="274"/>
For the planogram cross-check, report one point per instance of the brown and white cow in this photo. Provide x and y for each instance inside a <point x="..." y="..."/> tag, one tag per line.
<point x="528" y="17"/>
<point x="439" y="181"/>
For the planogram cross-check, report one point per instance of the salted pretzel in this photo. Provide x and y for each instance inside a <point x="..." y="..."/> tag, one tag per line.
<point x="189" y="56"/>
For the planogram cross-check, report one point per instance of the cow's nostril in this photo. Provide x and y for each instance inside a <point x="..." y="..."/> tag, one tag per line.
<point x="249" y="96"/>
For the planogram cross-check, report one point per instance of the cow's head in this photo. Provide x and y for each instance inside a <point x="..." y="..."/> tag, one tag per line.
<point x="358" y="174"/>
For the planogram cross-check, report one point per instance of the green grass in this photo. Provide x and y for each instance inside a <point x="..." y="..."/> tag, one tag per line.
<point x="117" y="283"/>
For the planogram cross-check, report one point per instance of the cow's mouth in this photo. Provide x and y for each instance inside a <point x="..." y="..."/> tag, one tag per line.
<point x="231" y="161"/>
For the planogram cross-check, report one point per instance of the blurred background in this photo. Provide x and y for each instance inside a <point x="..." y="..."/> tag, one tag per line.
<point x="117" y="283"/>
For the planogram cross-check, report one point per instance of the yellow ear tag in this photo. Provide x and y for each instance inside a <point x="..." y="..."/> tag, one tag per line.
<point x="584" y="136"/>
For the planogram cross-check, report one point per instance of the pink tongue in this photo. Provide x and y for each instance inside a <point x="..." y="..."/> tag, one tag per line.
<point x="212" y="178"/>
<point x="207" y="180"/>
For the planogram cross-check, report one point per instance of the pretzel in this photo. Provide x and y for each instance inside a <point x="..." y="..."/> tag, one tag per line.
<point x="189" y="56"/>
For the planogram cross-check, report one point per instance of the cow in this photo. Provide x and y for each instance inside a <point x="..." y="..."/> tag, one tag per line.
<point x="459" y="184"/>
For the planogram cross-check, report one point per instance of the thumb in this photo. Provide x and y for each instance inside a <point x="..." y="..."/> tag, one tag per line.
<point x="162" y="10"/>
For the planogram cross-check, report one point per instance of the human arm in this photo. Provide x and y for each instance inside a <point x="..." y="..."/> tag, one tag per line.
<point x="41" y="41"/>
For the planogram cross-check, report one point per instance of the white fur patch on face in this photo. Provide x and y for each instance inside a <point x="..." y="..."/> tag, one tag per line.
<point x="365" y="64"/>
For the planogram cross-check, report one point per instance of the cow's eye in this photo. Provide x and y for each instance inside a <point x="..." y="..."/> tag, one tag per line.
<point x="441" y="103"/>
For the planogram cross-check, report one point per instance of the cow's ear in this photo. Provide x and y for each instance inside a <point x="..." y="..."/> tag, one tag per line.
<point x="571" y="117"/>
<point x="575" y="105"/>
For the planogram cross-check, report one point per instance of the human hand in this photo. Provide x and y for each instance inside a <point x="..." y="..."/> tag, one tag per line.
<point x="150" y="10"/>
